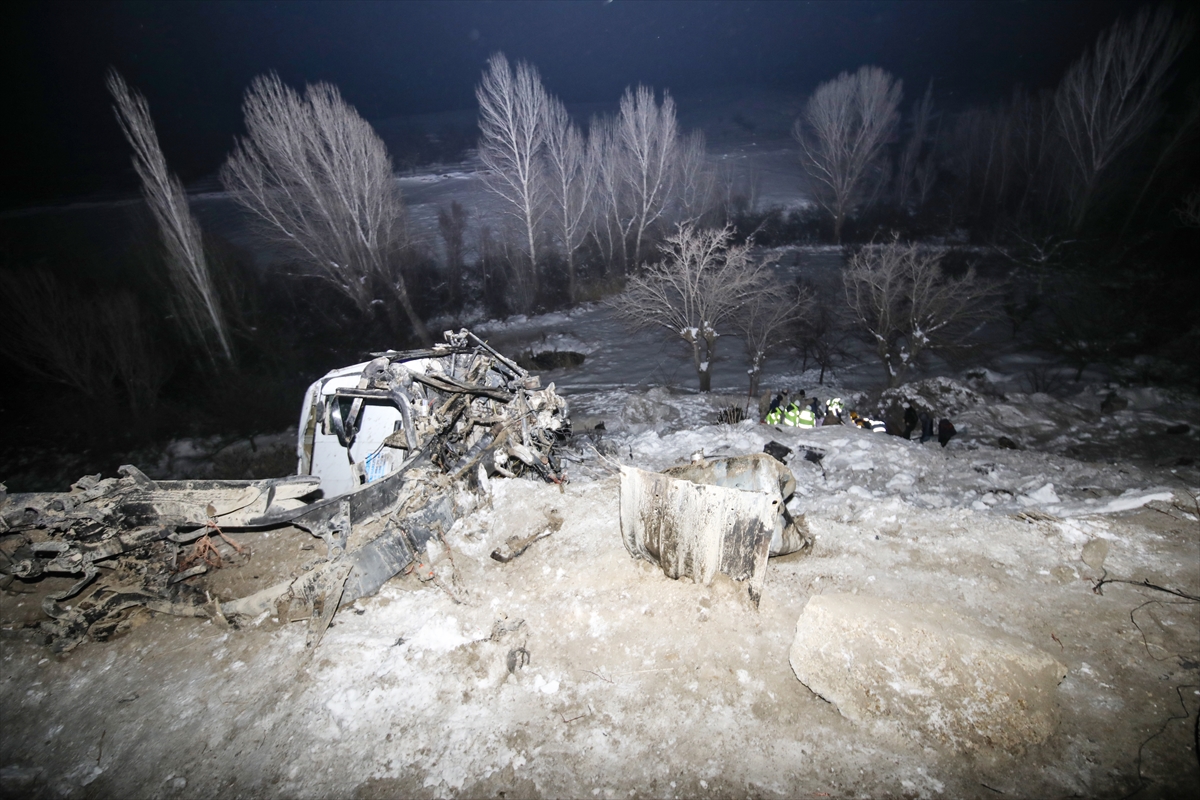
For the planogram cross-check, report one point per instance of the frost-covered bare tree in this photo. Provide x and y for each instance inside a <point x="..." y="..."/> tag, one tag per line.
<point x="767" y="319"/>
<point x="1111" y="96"/>
<point x="842" y="133"/>
<point x="319" y="180"/>
<point x="196" y="300"/>
<point x="649" y="176"/>
<point x="572" y="171"/>
<point x="905" y="304"/>
<point x="649" y="136"/>
<point x="512" y="128"/>
<point x="700" y="284"/>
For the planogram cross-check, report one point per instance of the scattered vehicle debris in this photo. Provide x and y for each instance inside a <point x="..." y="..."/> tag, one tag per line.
<point x="381" y="444"/>
<point x="724" y="515"/>
<point x="778" y="451"/>
<point x="516" y="545"/>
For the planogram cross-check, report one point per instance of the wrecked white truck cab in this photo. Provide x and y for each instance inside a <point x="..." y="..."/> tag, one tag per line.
<point x="363" y="422"/>
<point x="380" y="447"/>
<point x="325" y="451"/>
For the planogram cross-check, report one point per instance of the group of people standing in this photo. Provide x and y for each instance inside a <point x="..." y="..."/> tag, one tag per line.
<point x="945" y="428"/>
<point x="809" y="412"/>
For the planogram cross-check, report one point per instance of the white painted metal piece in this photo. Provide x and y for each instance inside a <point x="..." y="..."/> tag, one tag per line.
<point x="318" y="449"/>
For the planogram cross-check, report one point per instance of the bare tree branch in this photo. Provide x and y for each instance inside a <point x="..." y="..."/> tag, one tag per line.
<point x="1185" y="131"/>
<point x="613" y="219"/>
<point x="766" y="320"/>
<point x="696" y="186"/>
<point x="916" y="176"/>
<point x="1189" y="210"/>
<point x="90" y="344"/>
<point x="650" y="136"/>
<point x="573" y="172"/>
<point x="1007" y="160"/>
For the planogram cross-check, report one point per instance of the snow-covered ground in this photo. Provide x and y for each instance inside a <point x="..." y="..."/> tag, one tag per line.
<point x="637" y="685"/>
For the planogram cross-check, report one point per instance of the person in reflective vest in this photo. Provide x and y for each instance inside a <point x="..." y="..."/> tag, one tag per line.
<point x="869" y="424"/>
<point x="835" y="412"/>
<point x="779" y="407"/>
<point x="778" y="404"/>
<point x="805" y="418"/>
<point x="795" y="416"/>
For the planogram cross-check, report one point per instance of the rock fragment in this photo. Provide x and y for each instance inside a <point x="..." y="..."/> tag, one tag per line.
<point x="1094" y="553"/>
<point x="928" y="670"/>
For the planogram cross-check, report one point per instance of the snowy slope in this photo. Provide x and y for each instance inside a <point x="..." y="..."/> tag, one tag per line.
<point x="639" y="686"/>
<point x="636" y="685"/>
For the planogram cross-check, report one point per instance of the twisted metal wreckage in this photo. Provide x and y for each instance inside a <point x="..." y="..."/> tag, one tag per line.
<point x="381" y="445"/>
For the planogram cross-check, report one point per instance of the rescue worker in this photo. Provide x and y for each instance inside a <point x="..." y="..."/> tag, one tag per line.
<point x="764" y="405"/>
<point x="910" y="421"/>
<point x="945" y="431"/>
<point x="866" y="423"/>
<point x="775" y="413"/>
<point x="791" y="417"/>
<point x="818" y="414"/>
<point x="835" y="411"/>
<point x="926" y="427"/>
<point x="806" y="417"/>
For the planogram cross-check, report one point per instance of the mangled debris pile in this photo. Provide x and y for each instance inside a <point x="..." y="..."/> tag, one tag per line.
<point x="381" y="445"/>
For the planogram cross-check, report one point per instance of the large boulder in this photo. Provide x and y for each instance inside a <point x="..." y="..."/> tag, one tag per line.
<point x="928" y="670"/>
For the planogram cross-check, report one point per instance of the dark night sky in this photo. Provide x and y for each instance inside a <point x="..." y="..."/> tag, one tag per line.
<point x="194" y="60"/>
